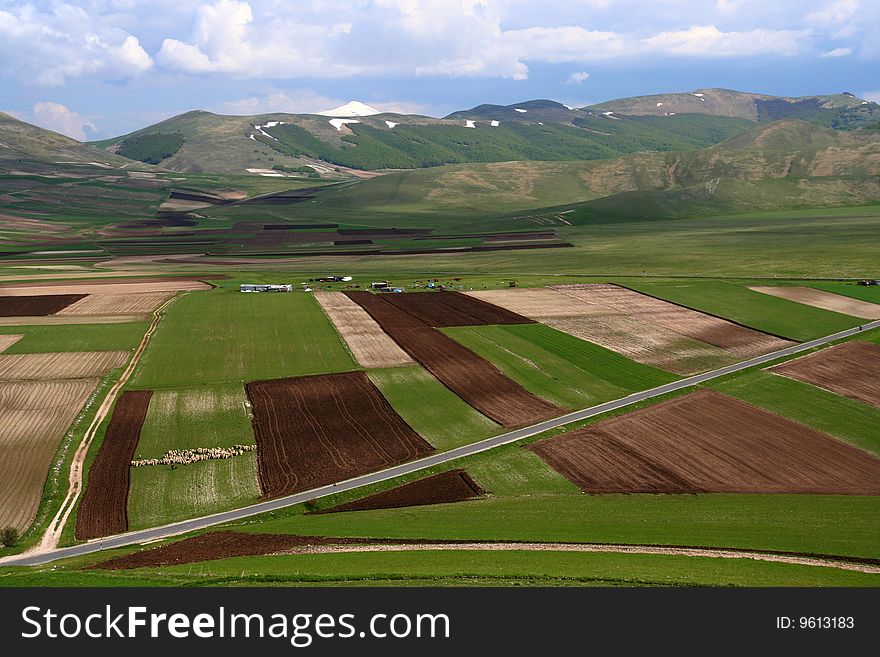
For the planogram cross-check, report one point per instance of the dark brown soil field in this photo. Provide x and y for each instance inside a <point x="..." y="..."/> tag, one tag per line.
<point x="471" y="377"/>
<point x="104" y="507"/>
<point x="315" y="430"/>
<point x="708" y="442"/>
<point x="443" y="309"/>
<point x="443" y="488"/>
<point x="220" y="545"/>
<point x="851" y="369"/>
<point x="36" y="306"/>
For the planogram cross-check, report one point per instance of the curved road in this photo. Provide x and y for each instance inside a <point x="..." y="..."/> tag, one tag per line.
<point x="156" y="533"/>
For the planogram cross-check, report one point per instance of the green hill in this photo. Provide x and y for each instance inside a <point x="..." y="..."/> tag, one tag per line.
<point x="839" y="111"/>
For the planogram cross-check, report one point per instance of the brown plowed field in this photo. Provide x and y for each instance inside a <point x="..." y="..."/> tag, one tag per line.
<point x="647" y="330"/>
<point x="7" y="341"/>
<point x="63" y="365"/>
<point x="443" y="488"/>
<point x="33" y="418"/>
<point x="708" y="442"/>
<point x="315" y="430"/>
<point x="118" y="304"/>
<point x="221" y="545"/>
<point x="737" y="339"/>
<point x="851" y="369"/>
<point x="104" y="507"/>
<point x="471" y="377"/>
<point x="13" y="305"/>
<point x="821" y="299"/>
<point x="369" y="344"/>
<point x="442" y="309"/>
<point x="101" y="287"/>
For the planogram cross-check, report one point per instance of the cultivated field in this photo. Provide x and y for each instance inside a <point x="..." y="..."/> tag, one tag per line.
<point x="644" y="329"/>
<point x="369" y="344"/>
<point x="102" y="510"/>
<point x="35" y="306"/>
<point x="117" y="304"/>
<point x="441" y="309"/>
<point x="8" y="340"/>
<point x="822" y="299"/>
<point x="851" y="369"/>
<point x="102" y="287"/>
<point x="444" y="488"/>
<point x="62" y="365"/>
<point x="33" y="417"/>
<point x="707" y="442"/>
<point x="471" y="377"/>
<point x="229" y="336"/>
<point x="203" y="416"/>
<point x="315" y="430"/>
<point x="737" y="339"/>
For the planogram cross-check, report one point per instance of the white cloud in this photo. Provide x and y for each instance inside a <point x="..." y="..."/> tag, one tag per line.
<point x="578" y="77"/>
<point x="709" y="41"/>
<point x="873" y="96"/>
<point x="57" y="117"/>
<point x="51" y="47"/>
<point x="837" y="52"/>
<point x="728" y="6"/>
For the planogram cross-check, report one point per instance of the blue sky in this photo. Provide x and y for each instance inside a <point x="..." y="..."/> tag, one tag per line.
<point x="98" y="68"/>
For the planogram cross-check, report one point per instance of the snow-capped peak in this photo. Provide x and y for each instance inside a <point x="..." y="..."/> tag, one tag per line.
<point x="351" y="108"/>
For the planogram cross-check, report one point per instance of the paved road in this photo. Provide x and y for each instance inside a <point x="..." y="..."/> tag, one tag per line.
<point x="156" y="533"/>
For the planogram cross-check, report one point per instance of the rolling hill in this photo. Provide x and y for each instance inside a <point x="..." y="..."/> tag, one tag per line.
<point x="839" y="111"/>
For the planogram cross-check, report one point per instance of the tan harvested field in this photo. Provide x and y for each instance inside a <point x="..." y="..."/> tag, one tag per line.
<point x="117" y="304"/>
<point x="369" y="344"/>
<point x="52" y="320"/>
<point x="647" y="330"/>
<point x="851" y="369"/>
<point x="101" y="287"/>
<point x="33" y="418"/>
<point x="707" y="442"/>
<point x="63" y="365"/>
<point x="739" y="340"/>
<point x="7" y="341"/>
<point x="821" y="299"/>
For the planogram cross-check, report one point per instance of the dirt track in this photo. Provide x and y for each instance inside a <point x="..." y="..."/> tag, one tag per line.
<point x="13" y="305"/>
<point x="316" y="430"/>
<point x="227" y="544"/>
<point x="708" y="442"/>
<point x="369" y="344"/>
<point x="821" y="299"/>
<point x="471" y="377"/>
<point x="104" y="507"/>
<point x="443" y="488"/>
<point x="851" y="369"/>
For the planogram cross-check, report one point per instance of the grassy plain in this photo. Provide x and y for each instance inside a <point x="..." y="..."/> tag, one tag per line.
<point x="223" y="335"/>
<point x="75" y="337"/>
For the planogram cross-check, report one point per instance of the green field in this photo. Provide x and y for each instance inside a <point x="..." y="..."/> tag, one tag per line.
<point x="870" y="293"/>
<point x="567" y="371"/>
<point x="75" y="337"/>
<point x="435" y="412"/>
<point x="203" y="416"/>
<point x="223" y="335"/>
<point x="511" y="470"/>
<point x="735" y="301"/>
<point x="847" y="419"/>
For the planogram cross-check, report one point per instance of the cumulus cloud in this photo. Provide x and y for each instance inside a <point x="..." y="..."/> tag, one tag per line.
<point x="58" y="117"/>
<point x="837" y="52"/>
<point x="65" y="42"/>
<point x="709" y="41"/>
<point x="873" y="96"/>
<point x="578" y="77"/>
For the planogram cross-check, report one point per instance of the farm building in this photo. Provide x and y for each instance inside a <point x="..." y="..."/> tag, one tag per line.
<point x="248" y="287"/>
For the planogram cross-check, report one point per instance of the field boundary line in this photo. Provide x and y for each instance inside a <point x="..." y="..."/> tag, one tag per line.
<point x="193" y="524"/>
